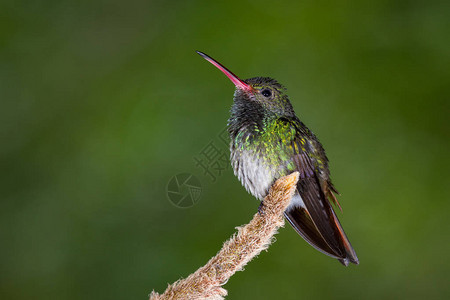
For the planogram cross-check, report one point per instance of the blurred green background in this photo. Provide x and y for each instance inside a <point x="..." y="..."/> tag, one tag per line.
<point x="103" y="102"/>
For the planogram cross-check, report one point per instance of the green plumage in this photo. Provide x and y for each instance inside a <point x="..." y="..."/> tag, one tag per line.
<point x="268" y="129"/>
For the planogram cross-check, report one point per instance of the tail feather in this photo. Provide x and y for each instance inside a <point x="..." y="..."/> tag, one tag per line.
<point x="302" y="223"/>
<point x="313" y="218"/>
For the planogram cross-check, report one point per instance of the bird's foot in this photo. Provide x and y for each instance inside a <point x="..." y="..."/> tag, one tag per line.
<point x="261" y="208"/>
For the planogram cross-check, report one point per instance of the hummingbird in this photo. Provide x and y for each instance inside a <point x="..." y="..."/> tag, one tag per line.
<point x="268" y="141"/>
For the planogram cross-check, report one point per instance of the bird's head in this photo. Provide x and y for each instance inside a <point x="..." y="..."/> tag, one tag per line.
<point x="261" y="93"/>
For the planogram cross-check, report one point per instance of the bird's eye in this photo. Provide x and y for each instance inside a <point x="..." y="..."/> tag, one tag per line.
<point x="266" y="93"/>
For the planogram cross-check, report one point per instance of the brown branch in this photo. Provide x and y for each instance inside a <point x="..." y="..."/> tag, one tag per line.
<point x="249" y="241"/>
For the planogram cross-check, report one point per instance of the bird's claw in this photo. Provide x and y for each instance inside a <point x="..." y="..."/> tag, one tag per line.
<point x="261" y="208"/>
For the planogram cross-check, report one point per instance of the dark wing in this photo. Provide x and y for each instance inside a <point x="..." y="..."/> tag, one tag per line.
<point x="317" y="223"/>
<point x="314" y="219"/>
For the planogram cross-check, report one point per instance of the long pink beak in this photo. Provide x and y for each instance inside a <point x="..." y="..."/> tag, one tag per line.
<point x="237" y="82"/>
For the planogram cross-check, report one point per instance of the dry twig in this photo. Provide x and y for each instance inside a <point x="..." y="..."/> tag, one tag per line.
<point x="250" y="240"/>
